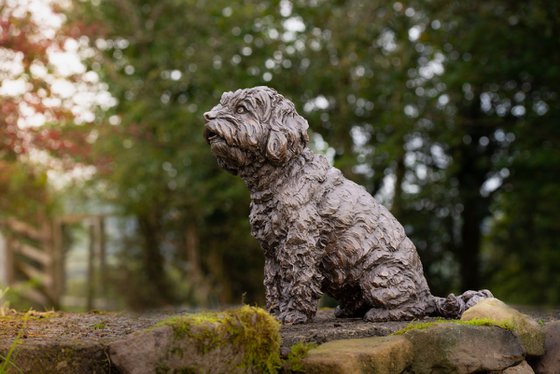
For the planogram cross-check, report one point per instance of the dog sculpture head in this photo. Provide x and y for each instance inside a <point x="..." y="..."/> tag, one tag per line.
<point x="254" y="125"/>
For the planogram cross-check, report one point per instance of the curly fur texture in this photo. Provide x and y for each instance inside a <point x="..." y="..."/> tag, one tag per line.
<point x="320" y="232"/>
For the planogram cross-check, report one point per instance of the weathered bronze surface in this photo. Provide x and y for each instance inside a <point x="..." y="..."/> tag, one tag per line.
<point x="320" y="232"/>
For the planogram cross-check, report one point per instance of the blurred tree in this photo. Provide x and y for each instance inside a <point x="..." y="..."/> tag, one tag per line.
<point x="501" y="107"/>
<point x="366" y="83"/>
<point x="434" y="95"/>
<point x="442" y="109"/>
<point x="166" y="63"/>
<point x="37" y="111"/>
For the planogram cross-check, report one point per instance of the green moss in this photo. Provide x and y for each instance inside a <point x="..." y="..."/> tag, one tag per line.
<point x="186" y="371"/>
<point x="30" y="315"/>
<point x="99" y="326"/>
<point x="251" y="329"/>
<point x="99" y="312"/>
<point x="162" y="369"/>
<point x="507" y="325"/>
<point x="293" y="363"/>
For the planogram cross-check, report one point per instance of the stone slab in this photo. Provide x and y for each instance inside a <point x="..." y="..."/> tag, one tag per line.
<point x="527" y="330"/>
<point x="461" y="349"/>
<point x="384" y="355"/>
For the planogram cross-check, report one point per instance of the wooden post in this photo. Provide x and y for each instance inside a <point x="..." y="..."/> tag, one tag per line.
<point x="58" y="260"/>
<point x="10" y="265"/>
<point x="91" y="268"/>
<point x="49" y="268"/>
<point x="101" y="241"/>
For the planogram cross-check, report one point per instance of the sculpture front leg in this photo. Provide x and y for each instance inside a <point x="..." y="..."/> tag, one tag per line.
<point x="271" y="283"/>
<point x="300" y="284"/>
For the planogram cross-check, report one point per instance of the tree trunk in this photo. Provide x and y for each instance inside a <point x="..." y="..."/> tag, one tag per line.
<point x="200" y="286"/>
<point x="474" y="165"/>
<point x="469" y="248"/>
<point x="397" y="205"/>
<point x="159" y="288"/>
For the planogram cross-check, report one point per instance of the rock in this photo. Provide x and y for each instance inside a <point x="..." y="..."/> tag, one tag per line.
<point x="454" y="348"/>
<point x="238" y="341"/>
<point x="527" y="330"/>
<point x="326" y="327"/>
<point x="387" y="355"/>
<point x="522" y="368"/>
<point x="549" y="363"/>
<point x="141" y="351"/>
<point x="72" y="357"/>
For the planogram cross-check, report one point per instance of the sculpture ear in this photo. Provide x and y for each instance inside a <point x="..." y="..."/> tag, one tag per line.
<point x="288" y="133"/>
<point x="287" y="138"/>
<point x="277" y="147"/>
<point x="297" y="126"/>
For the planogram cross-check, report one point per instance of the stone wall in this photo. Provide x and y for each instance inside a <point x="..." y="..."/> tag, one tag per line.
<point x="491" y="338"/>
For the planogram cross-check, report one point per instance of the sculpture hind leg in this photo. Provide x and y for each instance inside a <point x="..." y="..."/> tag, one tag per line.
<point x="396" y="294"/>
<point x="397" y="289"/>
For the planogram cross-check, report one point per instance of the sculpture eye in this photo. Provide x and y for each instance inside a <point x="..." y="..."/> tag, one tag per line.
<point x="241" y="109"/>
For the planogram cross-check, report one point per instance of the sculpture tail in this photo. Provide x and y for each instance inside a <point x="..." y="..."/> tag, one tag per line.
<point x="453" y="306"/>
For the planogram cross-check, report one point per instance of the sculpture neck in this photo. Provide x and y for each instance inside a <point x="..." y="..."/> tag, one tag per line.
<point x="264" y="179"/>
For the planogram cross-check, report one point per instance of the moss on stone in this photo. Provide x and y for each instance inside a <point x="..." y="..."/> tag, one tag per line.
<point x="252" y="329"/>
<point x="506" y="325"/>
<point x="529" y="332"/>
<point x="99" y="326"/>
<point x="380" y="354"/>
<point x="30" y="315"/>
<point x="293" y="363"/>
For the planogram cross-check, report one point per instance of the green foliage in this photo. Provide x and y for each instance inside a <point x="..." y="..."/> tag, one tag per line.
<point x="158" y="167"/>
<point x="455" y="102"/>
<point x="501" y="93"/>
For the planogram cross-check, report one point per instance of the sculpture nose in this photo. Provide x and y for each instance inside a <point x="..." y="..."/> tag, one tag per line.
<point x="208" y="116"/>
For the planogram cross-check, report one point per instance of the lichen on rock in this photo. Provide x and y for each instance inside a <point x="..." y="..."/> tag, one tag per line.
<point x="549" y="363"/>
<point x="244" y="340"/>
<point x="457" y="348"/>
<point x="250" y="329"/>
<point x="506" y="325"/>
<point x="388" y="354"/>
<point x="526" y="329"/>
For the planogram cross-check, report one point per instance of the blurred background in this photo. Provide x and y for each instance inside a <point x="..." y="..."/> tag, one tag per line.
<point x="446" y="111"/>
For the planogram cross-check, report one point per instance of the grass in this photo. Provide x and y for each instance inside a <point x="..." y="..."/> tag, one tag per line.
<point x="4" y="304"/>
<point x="507" y="325"/>
<point x="7" y="360"/>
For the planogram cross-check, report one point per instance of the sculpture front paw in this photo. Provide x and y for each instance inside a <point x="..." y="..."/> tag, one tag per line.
<point x="293" y="317"/>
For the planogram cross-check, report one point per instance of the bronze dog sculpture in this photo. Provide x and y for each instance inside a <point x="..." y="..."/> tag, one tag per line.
<point x="320" y="232"/>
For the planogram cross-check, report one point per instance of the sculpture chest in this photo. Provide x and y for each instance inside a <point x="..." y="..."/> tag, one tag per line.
<point x="267" y="225"/>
